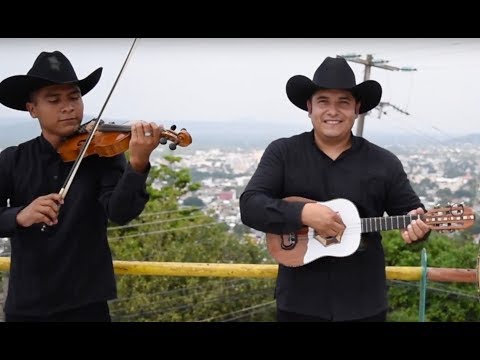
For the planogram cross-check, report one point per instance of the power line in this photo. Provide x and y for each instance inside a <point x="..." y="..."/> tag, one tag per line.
<point x="135" y="225"/>
<point x="189" y="208"/>
<point x="250" y="311"/>
<point x="163" y="231"/>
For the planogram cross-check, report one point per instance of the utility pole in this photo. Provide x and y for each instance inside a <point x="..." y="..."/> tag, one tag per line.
<point x="369" y="62"/>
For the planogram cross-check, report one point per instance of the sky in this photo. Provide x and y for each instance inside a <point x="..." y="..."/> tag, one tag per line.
<point x="240" y="80"/>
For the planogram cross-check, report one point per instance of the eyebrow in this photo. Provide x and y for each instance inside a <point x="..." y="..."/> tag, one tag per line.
<point x="343" y="97"/>
<point x="56" y="93"/>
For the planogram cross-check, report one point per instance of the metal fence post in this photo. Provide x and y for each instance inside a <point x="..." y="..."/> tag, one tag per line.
<point x="423" y="286"/>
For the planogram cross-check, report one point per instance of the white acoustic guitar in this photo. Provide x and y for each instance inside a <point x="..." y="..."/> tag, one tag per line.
<point x="305" y="246"/>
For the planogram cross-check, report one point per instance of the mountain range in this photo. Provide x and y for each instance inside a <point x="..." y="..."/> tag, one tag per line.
<point x="245" y="134"/>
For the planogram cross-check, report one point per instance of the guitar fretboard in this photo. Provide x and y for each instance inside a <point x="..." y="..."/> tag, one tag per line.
<point x="387" y="223"/>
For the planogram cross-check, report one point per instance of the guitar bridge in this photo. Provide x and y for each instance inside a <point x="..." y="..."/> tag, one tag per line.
<point x="290" y="242"/>
<point x="326" y="241"/>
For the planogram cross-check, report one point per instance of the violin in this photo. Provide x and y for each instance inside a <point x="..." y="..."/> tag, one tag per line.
<point x="112" y="139"/>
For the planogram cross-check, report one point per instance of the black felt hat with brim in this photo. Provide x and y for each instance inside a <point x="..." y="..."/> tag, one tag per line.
<point x="49" y="68"/>
<point x="333" y="73"/>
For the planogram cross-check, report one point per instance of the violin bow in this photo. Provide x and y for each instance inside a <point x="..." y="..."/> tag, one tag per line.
<point x="73" y="171"/>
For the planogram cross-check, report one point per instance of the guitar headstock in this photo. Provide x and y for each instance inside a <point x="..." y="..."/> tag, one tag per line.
<point x="449" y="218"/>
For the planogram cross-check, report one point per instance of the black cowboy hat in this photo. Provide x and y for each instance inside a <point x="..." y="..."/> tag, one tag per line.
<point x="333" y="73"/>
<point x="48" y="69"/>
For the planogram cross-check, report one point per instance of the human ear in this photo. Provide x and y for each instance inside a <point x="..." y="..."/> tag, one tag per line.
<point x="357" y="108"/>
<point x="31" y="109"/>
<point x="309" y="107"/>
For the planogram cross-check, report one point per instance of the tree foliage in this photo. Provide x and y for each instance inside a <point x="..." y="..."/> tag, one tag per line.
<point x="165" y="232"/>
<point x="447" y="301"/>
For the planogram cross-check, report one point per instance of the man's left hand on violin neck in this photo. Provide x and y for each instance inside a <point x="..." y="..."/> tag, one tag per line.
<point x="145" y="137"/>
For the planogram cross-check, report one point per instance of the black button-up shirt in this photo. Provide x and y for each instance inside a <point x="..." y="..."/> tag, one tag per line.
<point x="69" y="264"/>
<point x="336" y="288"/>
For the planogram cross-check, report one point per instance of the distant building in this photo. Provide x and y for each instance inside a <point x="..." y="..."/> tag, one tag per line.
<point x="226" y="195"/>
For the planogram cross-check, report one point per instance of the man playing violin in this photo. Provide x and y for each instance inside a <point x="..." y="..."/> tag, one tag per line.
<point x="64" y="273"/>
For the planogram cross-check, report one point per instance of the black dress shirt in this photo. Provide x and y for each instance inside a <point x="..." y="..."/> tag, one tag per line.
<point x="70" y="264"/>
<point x="336" y="288"/>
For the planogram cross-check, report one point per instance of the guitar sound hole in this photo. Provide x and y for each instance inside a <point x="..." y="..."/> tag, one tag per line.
<point x="290" y="242"/>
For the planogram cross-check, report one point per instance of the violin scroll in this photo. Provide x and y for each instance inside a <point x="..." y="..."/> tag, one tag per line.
<point x="181" y="138"/>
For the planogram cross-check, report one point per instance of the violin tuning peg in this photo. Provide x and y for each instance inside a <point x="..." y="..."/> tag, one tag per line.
<point x="173" y="127"/>
<point x="163" y="140"/>
<point x="172" y="146"/>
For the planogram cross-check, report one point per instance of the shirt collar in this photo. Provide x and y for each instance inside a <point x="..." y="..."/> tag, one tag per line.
<point x="46" y="149"/>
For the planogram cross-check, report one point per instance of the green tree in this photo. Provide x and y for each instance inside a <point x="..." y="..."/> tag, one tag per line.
<point x="445" y="301"/>
<point x="167" y="233"/>
<point x="193" y="201"/>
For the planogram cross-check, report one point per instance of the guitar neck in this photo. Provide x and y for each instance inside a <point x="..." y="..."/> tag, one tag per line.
<point x="387" y="223"/>
<point x="447" y="218"/>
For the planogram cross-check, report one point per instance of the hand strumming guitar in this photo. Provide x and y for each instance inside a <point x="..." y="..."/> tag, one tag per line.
<point x="325" y="221"/>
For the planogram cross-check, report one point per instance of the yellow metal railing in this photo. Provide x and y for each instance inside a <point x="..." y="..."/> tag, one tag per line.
<point x="409" y="273"/>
